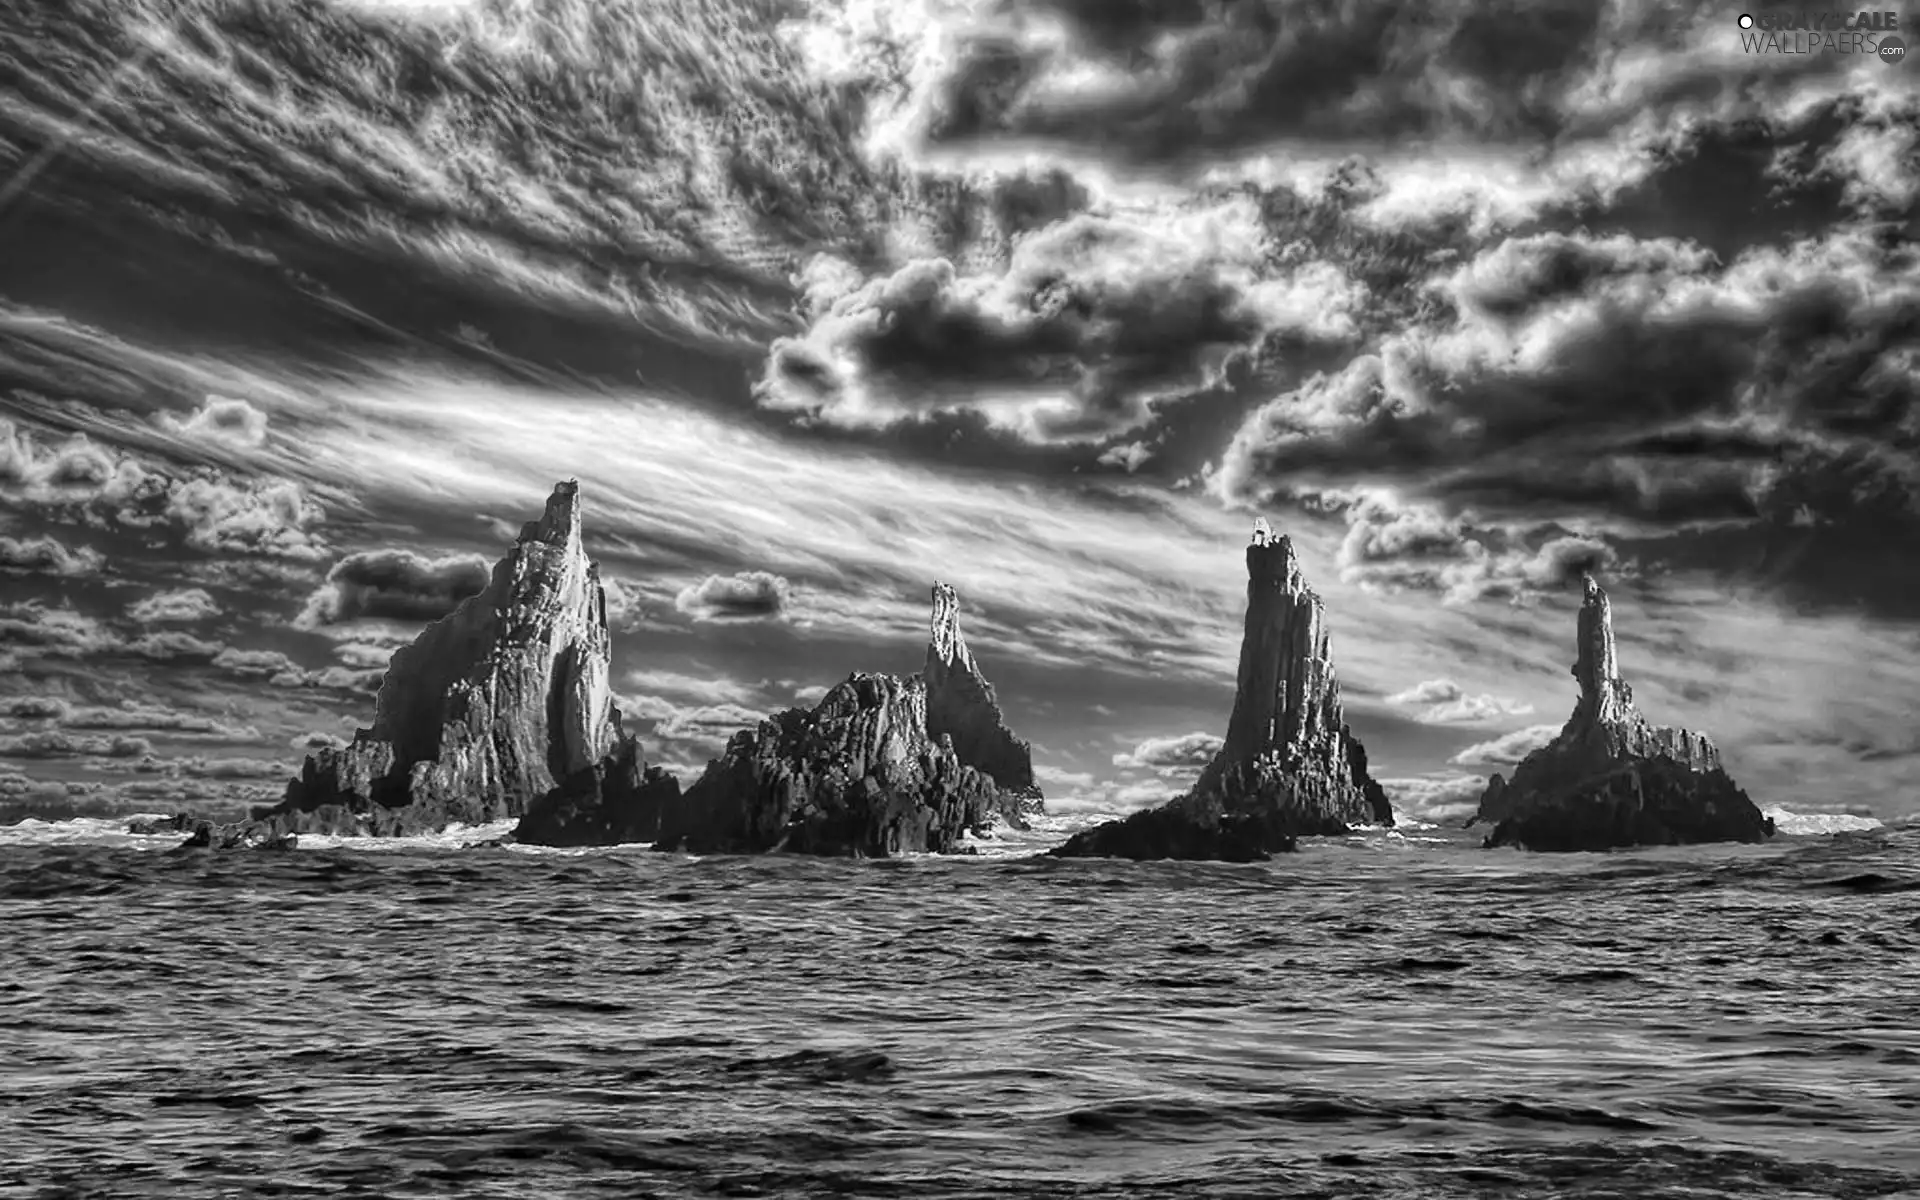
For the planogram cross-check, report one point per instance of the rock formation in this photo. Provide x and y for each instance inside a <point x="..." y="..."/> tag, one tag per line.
<point x="882" y="765"/>
<point x="502" y="706"/>
<point x="961" y="705"/>
<point x="858" y="775"/>
<point x="1611" y="777"/>
<point x="1289" y="766"/>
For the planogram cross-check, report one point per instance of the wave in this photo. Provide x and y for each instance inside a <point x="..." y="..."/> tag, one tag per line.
<point x="1792" y="824"/>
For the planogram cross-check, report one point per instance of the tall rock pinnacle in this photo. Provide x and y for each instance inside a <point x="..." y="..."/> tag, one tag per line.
<point x="1289" y="765"/>
<point x="501" y="704"/>
<point x="1611" y="777"/>
<point x="961" y="705"/>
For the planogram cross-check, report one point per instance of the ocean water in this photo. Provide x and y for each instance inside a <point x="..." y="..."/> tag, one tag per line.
<point x="1393" y="1014"/>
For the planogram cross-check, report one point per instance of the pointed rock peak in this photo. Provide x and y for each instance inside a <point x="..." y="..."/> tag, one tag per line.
<point x="560" y="524"/>
<point x="1270" y="555"/>
<point x="945" y="644"/>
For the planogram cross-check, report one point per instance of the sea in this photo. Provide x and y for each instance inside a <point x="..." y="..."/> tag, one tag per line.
<point x="1397" y="1013"/>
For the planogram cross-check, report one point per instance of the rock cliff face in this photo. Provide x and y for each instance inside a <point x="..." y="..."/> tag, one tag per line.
<point x="1611" y="777"/>
<point x="961" y="705"/>
<point x="491" y="710"/>
<point x="858" y="775"/>
<point x="882" y="765"/>
<point x="1289" y="766"/>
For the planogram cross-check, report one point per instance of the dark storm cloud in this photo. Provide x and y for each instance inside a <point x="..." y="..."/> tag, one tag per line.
<point x="747" y="596"/>
<point x="393" y="584"/>
<point x="1088" y="321"/>
<point x="1608" y="384"/>
<point x="1169" y="80"/>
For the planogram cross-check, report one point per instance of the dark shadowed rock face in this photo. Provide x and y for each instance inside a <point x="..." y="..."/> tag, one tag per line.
<point x="961" y="705"/>
<point x="615" y="802"/>
<point x="1612" y="778"/>
<point x="857" y="775"/>
<point x="489" y="710"/>
<point x="1290" y="766"/>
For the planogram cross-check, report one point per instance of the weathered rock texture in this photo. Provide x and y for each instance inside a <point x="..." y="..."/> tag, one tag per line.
<point x="961" y="705"/>
<point x="858" y="775"/>
<point x="882" y="765"/>
<point x="1613" y="778"/>
<point x="490" y="711"/>
<point x="1289" y="767"/>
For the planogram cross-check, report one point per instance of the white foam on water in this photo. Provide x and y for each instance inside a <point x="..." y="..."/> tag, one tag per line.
<point x="1046" y="830"/>
<point x="1794" y="824"/>
<point x="88" y="831"/>
<point x="453" y="837"/>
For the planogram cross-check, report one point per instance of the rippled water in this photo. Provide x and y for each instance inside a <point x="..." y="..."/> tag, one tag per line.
<point x="1386" y="1015"/>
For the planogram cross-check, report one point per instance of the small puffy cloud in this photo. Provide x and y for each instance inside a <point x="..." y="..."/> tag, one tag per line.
<point x="746" y="596"/>
<point x="231" y="422"/>
<point x="393" y="584"/>
<point x="58" y="743"/>
<point x="278" y="670"/>
<point x="1508" y="749"/>
<point x="1130" y="455"/>
<point x="1088" y="322"/>
<point x="48" y="556"/>
<point x="1179" y="752"/>
<point x="179" y="606"/>
<point x="1444" y="702"/>
<point x="319" y="740"/>
<point x="203" y="508"/>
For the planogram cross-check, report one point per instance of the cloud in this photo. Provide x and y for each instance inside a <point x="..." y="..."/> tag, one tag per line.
<point x="1508" y="749"/>
<point x="131" y="715"/>
<point x="316" y="741"/>
<point x="1441" y="797"/>
<point x="697" y="730"/>
<point x="1089" y="321"/>
<point x="393" y="584"/>
<point x="204" y="508"/>
<point x="1614" y="380"/>
<point x="49" y="556"/>
<point x="746" y="596"/>
<point x="1445" y="703"/>
<point x="1182" y="751"/>
<point x="182" y="605"/>
<point x="275" y="668"/>
<point x="56" y="743"/>
<point x="704" y="688"/>
<point x="233" y="422"/>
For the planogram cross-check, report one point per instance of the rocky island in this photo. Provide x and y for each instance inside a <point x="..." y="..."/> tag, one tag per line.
<point x="1611" y="778"/>
<point x="881" y="765"/>
<point x="501" y="709"/>
<point x="1290" y="766"/>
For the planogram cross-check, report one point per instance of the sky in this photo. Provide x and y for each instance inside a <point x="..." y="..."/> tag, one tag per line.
<point x="305" y="305"/>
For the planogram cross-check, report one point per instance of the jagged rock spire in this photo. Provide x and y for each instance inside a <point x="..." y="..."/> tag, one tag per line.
<point x="961" y="704"/>
<point x="945" y="644"/>
<point x="491" y="707"/>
